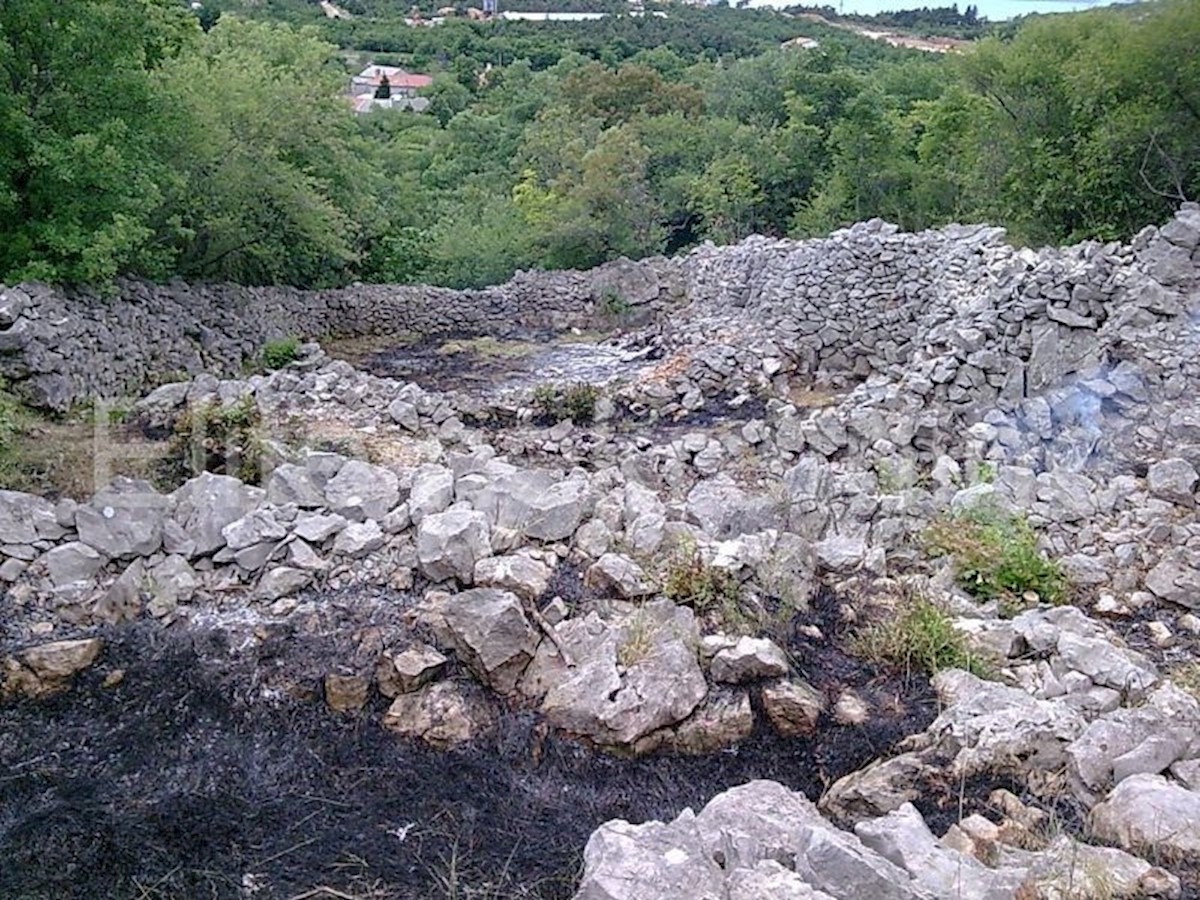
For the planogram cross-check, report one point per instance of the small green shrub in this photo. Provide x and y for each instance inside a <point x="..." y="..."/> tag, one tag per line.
<point x="995" y="556"/>
<point x="222" y="439"/>
<point x="692" y="581"/>
<point x="576" y="402"/>
<point x="919" y="636"/>
<point x="279" y="353"/>
<point x="614" y="305"/>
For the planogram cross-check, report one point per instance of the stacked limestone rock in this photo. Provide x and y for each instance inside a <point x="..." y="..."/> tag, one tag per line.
<point x="61" y="347"/>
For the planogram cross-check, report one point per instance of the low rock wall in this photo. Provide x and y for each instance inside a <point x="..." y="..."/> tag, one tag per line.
<point x="867" y="300"/>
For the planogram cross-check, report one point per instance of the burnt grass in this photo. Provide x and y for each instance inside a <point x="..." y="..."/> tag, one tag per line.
<point x="182" y="782"/>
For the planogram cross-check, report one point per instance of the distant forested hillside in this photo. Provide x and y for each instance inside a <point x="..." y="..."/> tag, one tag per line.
<point x="144" y="137"/>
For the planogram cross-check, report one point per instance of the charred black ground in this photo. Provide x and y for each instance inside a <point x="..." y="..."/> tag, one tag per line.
<point x="177" y="784"/>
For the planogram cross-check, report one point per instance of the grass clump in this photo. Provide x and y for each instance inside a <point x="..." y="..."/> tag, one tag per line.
<point x="222" y="439"/>
<point x="614" y="305"/>
<point x="995" y="556"/>
<point x="919" y="636"/>
<point x="637" y="641"/>
<point x="279" y="353"/>
<point x="576" y="402"/>
<point x="692" y="581"/>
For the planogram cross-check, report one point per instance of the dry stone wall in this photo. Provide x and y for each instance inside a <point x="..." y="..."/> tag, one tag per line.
<point x="980" y="321"/>
<point x="64" y="346"/>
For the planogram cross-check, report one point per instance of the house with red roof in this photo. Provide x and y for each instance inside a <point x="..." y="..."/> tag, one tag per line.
<point x="400" y="82"/>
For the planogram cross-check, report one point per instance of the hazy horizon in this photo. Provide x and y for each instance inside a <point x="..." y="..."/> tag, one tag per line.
<point x="993" y="10"/>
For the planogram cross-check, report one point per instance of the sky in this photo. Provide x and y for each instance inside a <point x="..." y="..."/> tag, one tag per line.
<point x="994" y="10"/>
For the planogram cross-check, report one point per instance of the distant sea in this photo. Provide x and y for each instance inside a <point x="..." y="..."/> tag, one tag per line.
<point x="994" y="10"/>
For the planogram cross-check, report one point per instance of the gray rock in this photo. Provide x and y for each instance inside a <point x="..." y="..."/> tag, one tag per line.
<point x="72" y="564"/>
<point x="747" y="660"/>
<point x="361" y="491"/>
<point x="1173" y="480"/>
<point x="537" y="504"/>
<point x="449" y="544"/>
<point x="259" y="526"/>
<point x="526" y="577"/>
<point x="122" y="602"/>
<point x="283" y="581"/>
<point x="763" y="820"/>
<point x="404" y="414"/>
<point x="290" y="483"/>
<point x="1148" y="811"/>
<point x="432" y="492"/>
<point x="25" y="518"/>
<point x="903" y="838"/>
<point x="632" y="675"/>
<point x="358" y="539"/>
<point x="616" y="573"/>
<point x="170" y="583"/>
<point x="1108" y="665"/>
<point x="652" y="861"/>
<point x="123" y="520"/>
<point x="1175" y="579"/>
<point x="207" y="503"/>
<point x="489" y="631"/>
<point x="841" y="554"/>
<point x="771" y="881"/>
<point x="316" y="529"/>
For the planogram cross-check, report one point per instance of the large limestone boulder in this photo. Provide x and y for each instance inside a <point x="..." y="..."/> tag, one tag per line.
<point x="537" y="504"/>
<point x="1128" y="741"/>
<point x="449" y="544"/>
<point x="903" y="838"/>
<point x="489" y="631"/>
<point x="361" y="491"/>
<point x="26" y="518"/>
<point x="764" y="820"/>
<point x="654" y="861"/>
<point x="771" y="881"/>
<point x="124" y="519"/>
<point x="206" y="504"/>
<point x="632" y="674"/>
<point x="1148" y="812"/>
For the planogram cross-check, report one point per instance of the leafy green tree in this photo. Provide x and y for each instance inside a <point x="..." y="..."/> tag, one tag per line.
<point x="81" y="177"/>
<point x="274" y="184"/>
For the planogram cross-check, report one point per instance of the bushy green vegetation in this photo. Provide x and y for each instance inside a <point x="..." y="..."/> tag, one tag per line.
<point x="576" y="402"/>
<point x="214" y="438"/>
<point x="279" y="353"/>
<point x="918" y="636"/>
<point x="995" y="556"/>
<point x="140" y="138"/>
<point x="692" y="581"/>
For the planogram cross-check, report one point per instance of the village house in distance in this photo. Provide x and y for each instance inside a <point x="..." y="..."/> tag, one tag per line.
<point x="388" y="87"/>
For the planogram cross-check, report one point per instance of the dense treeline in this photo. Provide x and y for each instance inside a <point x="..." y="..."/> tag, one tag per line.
<point x="137" y="140"/>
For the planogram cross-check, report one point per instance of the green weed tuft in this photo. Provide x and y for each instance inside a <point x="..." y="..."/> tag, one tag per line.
<point x="279" y="353"/>
<point x="995" y="556"/>
<point x="919" y="636"/>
